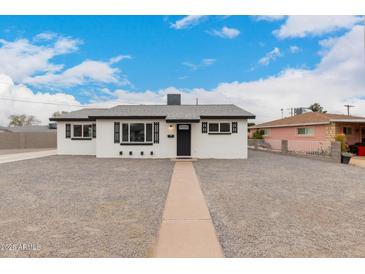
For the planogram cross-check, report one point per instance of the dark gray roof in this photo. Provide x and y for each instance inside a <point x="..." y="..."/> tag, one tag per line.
<point x="169" y="112"/>
<point x="81" y="114"/>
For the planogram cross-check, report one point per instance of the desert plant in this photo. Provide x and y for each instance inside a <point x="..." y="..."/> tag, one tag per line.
<point x="342" y="139"/>
<point x="316" y="107"/>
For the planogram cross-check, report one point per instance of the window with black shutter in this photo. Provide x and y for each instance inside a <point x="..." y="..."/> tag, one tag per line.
<point x="204" y="127"/>
<point x="125" y="132"/>
<point x="156" y="130"/>
<point x="234" y="127"/>
<point x="68" y="130"/>
<point x="116" y="132"/>
<point x="94" y="130"/>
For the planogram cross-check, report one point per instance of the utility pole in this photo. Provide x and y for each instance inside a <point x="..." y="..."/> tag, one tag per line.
<point x="348" y="109"/>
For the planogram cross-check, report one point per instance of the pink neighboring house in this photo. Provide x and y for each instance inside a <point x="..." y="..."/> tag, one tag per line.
<point x="312" y="130"/>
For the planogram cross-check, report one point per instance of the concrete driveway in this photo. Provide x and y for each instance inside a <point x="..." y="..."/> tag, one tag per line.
<point x="13" y="155"/>
<point x="282" y="206"/>
<point x="81" y="206"/>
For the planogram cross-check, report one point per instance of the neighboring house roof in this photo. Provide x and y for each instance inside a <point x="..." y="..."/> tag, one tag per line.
<point x="30" y="129"/>
<point x="168" y="112"/>
<point x="310" y="118"/>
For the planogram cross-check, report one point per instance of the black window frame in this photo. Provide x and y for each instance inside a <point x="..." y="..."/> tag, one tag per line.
<point x="94" y="130"/>
<point x="149" y="133"/>
<point x="73" y="130"/>
<point x="204" y="127"/>
<point x="137" y="139"/>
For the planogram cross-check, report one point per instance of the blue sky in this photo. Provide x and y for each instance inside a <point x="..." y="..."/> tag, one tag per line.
<point x="157" y="53"/>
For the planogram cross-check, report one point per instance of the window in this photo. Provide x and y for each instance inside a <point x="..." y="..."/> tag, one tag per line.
<point x="225" y="127"/>
<point x="125" y="132"/>
<point x="87" y="131"/>
<point x="82" y="131"/>
<point x="305" y="131"/>
<point x="136" y="132"/>
<point x="148" y="132"/>
<point x="213" y="127"/>
<point x="78" y="131"/>
<point x="266" y="132"/>
<point x="94" y="130"/>
<point x="347" y="130"/>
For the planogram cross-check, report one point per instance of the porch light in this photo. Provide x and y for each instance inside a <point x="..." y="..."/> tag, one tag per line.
<point x="171" y="127"/>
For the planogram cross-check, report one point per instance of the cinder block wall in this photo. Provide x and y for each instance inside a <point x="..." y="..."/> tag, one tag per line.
<point x="17" y="140"/>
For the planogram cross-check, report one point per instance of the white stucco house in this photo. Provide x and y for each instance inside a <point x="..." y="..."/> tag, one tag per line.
<point x="155" y="131"/>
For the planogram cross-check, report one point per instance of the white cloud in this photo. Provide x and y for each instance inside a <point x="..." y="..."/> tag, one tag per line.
<point x="269" y="18"/>
<point x="294" y="49"/>
<point x="270" y="56"/>
<point x="45" y="36"/>
<point x="301" y="26"/>
<point x="187" y="22"/>
<point x="225" y="32"/>
<point x="88" y="72"/>
<point x="21" y="59"/>
<point x="203" y="63"/>
<point x="119" y="58"/>
<point x="27" y="105"/>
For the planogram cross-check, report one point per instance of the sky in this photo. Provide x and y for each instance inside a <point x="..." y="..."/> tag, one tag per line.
<point x="260" y="63"/>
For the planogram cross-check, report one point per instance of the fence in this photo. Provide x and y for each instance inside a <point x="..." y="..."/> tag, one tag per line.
<point x="20" y="140"/>
<point x="323" y="150"/>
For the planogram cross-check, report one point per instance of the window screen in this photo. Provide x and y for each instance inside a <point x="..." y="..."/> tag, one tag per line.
<point x="125" y="133"/>
<point x="148" y="132"/>
<point x="225" y="127"/>
<point x="136" y="132"/>
<point x="87" y="131"/>
<point x="78" y="131"/>
<point x="213" y="127"/>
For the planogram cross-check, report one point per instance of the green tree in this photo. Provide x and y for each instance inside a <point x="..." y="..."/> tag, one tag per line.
<point x="22" y="120"/>
<point x="258" y="134"/>
<point x="316" y="107"/>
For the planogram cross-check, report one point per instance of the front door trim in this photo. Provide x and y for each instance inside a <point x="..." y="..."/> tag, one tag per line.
<point x="183" y="140"/>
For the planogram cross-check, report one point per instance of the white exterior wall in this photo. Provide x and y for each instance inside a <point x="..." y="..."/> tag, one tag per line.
<point x="233" y="146"/>
<point x="66" y="146"/>
<point x="203" y="145"/>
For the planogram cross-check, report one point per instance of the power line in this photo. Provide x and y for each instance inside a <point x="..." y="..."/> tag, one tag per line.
<point x="37" y="102"/>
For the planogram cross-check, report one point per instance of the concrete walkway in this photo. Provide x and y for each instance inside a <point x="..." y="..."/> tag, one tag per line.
<point x="7" y="158"/>
<point x="358" y="161"/>
<point x="187" y="230"/>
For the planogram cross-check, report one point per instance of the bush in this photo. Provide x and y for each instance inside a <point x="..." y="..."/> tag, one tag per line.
<point x="258" y="134"/>
<point x="342" y="139"/>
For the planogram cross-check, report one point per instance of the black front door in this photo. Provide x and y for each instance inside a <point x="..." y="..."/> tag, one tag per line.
<point x="183" y="140"/>
<point x="363" y="135"/>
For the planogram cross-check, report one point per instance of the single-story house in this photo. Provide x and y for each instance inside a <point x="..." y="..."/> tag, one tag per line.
<point x="314" y="126"/>
<point x="155" y="131"/>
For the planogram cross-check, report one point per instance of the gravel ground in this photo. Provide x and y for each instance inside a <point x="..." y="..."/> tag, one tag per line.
<point x="80" y="206"/>
<point x="281" y="206"/>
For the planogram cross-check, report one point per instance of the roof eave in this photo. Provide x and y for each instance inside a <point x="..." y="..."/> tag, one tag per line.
<point x="290" y="125"/>
<point x="55" y="119"/>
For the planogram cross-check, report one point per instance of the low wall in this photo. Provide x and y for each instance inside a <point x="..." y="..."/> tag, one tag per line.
<point x="331" y="153"/>
<point x="21" y="140"/>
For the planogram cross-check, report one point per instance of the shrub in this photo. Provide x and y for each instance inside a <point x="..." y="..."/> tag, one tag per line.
<point x="342" y="139"/>
<point x="258" y="134"/>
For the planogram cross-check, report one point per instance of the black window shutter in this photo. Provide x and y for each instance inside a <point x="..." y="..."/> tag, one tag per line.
<point x="68" y="130"/>
<point x="204" y="127"/>
<point x="116" y="132"/>
<point x="94" y="130"/>
<point x="156" y="131"/>
<point x="234" y="127"/>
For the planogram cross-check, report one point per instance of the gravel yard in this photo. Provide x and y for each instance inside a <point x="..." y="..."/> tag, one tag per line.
<point x="281" y="206"/>
<point x="80" y="206"/>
